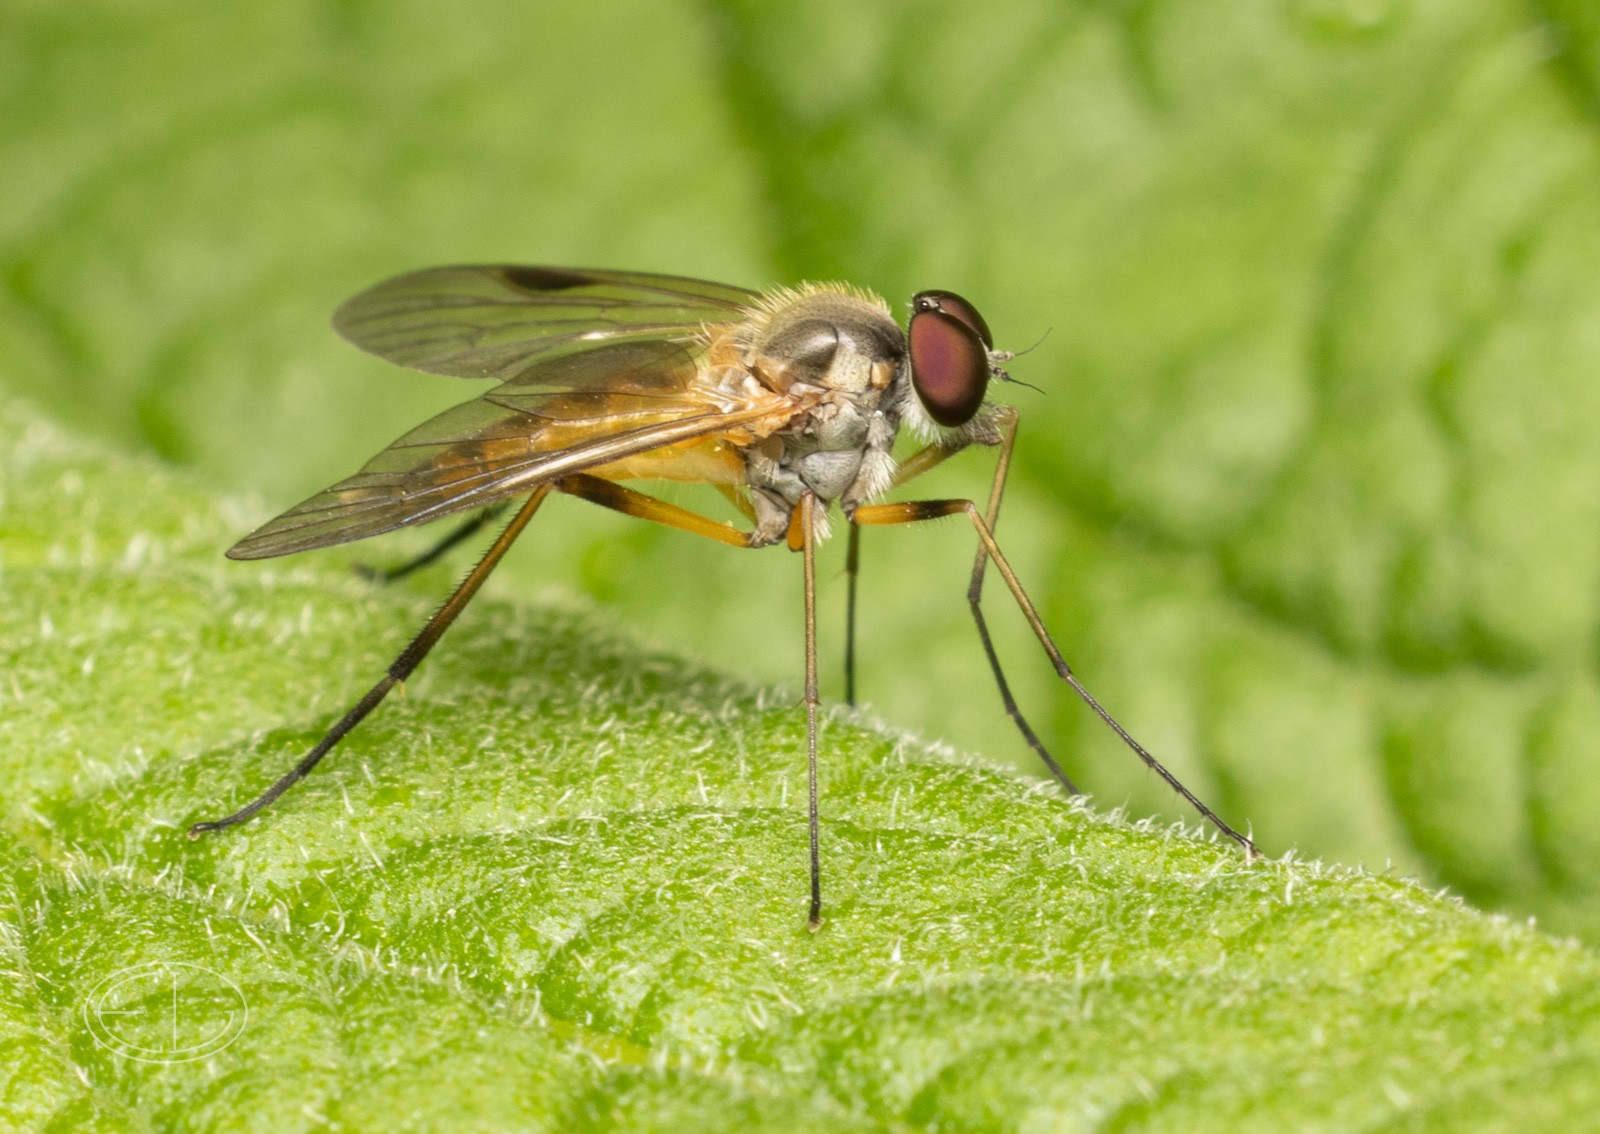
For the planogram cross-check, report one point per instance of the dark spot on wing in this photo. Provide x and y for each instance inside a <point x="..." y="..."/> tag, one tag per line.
<point x="545" y="279"/>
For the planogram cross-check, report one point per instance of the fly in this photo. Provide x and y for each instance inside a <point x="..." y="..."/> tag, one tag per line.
<point x="787" y="401"/>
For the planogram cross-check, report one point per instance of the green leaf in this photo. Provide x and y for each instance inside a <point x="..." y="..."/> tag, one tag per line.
<point x="560" y="885"/>
<point x="1310" y="494"/>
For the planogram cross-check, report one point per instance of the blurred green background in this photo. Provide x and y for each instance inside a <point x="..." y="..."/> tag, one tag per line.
<point x="1310" y="493"/>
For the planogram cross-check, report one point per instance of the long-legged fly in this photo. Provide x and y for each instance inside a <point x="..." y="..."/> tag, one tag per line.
<point x="787" y="401"/>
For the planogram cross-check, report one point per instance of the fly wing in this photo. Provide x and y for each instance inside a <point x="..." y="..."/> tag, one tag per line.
<point x="497" y="320"/>
<point x="562" y="416"/>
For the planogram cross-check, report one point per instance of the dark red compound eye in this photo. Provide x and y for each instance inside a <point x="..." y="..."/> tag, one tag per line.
<point x="952" y="304"/>
<point x="949" y="356"/>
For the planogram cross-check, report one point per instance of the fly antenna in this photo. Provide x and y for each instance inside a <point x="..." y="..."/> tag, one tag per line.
<point x="998" y="356"/>
<point x="1035" y="346"/>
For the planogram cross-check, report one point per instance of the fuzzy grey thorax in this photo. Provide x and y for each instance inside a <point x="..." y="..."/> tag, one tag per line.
<point x="844" y="355"/>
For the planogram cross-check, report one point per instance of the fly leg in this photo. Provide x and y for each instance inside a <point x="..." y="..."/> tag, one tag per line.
<point x="411" y="657"/>
<point x="914" y="467"/>
<point x="802" y="537"/>
<point x="631" y="502"/>
<point x="914" y="511"/>
<point x="456" y="535"/>
<point x="852" y="569"/>
<point x="804" y="515"/>
<point x="991" y="516"/>
<point x="402" y="668"/>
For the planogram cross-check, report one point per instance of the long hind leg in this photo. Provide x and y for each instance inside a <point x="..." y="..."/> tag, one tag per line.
<point x="401" y="668"/>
